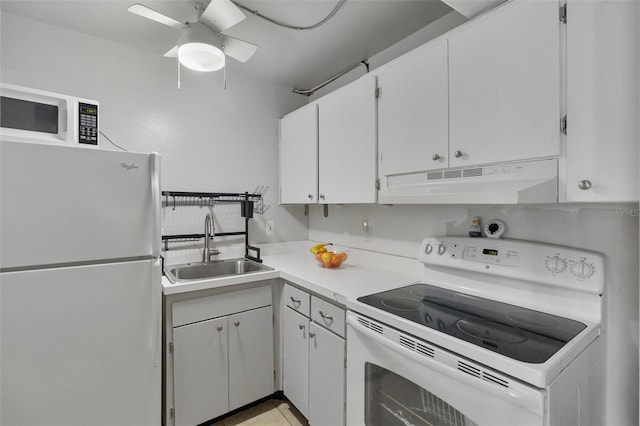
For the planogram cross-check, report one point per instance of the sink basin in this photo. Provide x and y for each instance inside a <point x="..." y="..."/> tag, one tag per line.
<point x="215" y="269"/>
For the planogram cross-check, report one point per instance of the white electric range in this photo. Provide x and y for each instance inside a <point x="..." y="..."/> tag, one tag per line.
<point x="498" y="332"/>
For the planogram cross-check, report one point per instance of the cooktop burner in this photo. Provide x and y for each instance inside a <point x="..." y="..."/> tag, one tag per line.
<point x="513" y="331"/>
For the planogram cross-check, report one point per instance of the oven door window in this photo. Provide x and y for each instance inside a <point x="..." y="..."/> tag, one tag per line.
<point x="392" y="400"/>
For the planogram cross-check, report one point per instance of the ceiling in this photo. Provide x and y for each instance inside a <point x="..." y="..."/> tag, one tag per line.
<point x="297" y="59"/>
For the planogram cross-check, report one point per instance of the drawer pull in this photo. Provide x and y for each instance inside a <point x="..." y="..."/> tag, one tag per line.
<point x="296" y="302"/>
<point x="301" y="326"/>
<point x="325" y="317"/>
<point x="237" y="323"/>
<point x="219" y="328"/>
<point x="312" y="335"/>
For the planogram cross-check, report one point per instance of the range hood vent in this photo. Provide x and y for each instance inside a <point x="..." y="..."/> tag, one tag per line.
<point x="511" y="183"/>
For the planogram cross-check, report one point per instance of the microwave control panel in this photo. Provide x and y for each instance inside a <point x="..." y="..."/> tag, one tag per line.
<point x="88" y="124"/>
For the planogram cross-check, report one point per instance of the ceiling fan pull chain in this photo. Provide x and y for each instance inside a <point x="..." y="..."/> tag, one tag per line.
<point x="178" y="61"/>
<point x="224" y="76"/>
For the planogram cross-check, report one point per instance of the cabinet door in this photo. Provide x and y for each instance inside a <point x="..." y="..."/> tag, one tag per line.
<point x="413" y="111"/>
<point x="200" y="371"/>
<point x="347" y="144"/>
<point x="296" y="359"/>
<point x="326" y="377"/>
<point x="299" y="156"/>
<point x="504" y="85"/>
<point x="250" y="356"/>
<point x="602" y="102"/>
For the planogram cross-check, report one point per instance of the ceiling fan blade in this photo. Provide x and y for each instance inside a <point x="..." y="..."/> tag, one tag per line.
<point x="238" y="49"/>
<point x="221" y="15"/>
<point x="145" y="12"/>
<point x="173" y="53"/>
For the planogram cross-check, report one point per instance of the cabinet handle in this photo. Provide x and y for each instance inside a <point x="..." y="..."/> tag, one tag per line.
<point x="295" y="301"/>
<point x="219" y="328"/>
<point x="301" y="326"/>
<point x="312" y="335"/>
<point x="584" y="184"/>
<point x="435" y="157"/>
<point x="237" y="323"/>
<point x="458" y="154"/>
<point x="325" y="317"/>
<point x="322" y="196"/>
<point x="310" y="196"/>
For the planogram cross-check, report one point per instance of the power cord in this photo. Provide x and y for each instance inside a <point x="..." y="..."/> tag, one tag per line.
<point x="112" y="142"/>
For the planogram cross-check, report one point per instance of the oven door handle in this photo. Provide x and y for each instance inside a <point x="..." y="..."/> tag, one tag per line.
<point x="519" y="394"/>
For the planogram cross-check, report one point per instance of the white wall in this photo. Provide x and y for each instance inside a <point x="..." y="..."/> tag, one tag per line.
<point x="210" y="139"/>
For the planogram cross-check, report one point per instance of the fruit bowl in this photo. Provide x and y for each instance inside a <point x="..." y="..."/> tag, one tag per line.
<point x="331" y="259"/>
<point x="328" y="259"/>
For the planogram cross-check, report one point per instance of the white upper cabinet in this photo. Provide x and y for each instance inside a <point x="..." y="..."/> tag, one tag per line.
<point x="299" y="156"/>
<point x="504" y="85"/>
<point x="413" y="120"/>
<point x="347" y="144"/>
<point x="602" y="102"/>
<point x="328" y="148"/>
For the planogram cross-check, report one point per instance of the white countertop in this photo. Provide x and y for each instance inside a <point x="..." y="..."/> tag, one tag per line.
<point x="364" y="272"/>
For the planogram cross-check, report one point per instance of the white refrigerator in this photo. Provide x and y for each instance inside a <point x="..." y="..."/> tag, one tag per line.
<point x="80" y="286"/>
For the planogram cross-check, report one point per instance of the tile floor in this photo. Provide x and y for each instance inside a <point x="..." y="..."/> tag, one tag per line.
<point x="274" y="412"/>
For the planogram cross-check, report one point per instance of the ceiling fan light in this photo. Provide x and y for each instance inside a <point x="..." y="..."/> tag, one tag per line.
<point x="201" y="56"/>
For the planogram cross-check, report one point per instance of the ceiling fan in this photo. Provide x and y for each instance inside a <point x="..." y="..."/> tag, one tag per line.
<point x="201" y="44"/>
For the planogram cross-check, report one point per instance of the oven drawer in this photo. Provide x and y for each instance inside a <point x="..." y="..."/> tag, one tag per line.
<point x="297" y="299"/>
<point x="328" y="315"/>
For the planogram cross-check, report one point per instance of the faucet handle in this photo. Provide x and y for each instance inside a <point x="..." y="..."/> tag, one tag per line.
<point x="212" y="252"/>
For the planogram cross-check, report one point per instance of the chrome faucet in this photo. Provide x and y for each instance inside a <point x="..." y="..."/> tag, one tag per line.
<point x="209" y="232"/>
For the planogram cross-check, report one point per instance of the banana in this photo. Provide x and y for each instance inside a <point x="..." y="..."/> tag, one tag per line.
<point x="319" y="248"/>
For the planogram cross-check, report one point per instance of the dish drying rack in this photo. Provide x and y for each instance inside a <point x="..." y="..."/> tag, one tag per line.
<point x="250" y="203"/>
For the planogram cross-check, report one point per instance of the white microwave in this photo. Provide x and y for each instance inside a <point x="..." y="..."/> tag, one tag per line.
<point x="31" y="115"/>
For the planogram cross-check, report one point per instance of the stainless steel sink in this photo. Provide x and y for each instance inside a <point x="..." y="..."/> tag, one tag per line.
<point x="215" y="269"/>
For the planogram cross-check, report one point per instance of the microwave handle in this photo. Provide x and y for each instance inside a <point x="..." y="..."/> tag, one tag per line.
<point x="520" y="395"/>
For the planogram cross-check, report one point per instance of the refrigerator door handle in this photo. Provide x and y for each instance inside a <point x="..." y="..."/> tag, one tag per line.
<point x="156" y="312"/>
<point x="155" y="200"/>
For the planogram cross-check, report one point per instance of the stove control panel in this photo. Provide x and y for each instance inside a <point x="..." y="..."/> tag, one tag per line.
<point x="490" y="254"/>
<point x="524" y="260"/>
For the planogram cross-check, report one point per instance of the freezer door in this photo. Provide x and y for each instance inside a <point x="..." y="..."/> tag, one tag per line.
<point x="81" y="346"/>
<point x="70" y="205"/>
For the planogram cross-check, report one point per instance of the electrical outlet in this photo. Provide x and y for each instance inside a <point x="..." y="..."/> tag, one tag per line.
<point x="366" y="229"/>
<point x="269" y="227"/>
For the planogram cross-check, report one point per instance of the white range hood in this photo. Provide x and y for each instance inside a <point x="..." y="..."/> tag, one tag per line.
<point x="510" y="183"/>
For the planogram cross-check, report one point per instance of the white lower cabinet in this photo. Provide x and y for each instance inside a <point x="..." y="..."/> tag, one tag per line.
<point x="296" y="360"/>
<point x="326" y="377"/>
<point x="250" y="356"/>
<point x="314" y="359"/>
<point x="219" y="354"/>
<point x="201" y="362"/>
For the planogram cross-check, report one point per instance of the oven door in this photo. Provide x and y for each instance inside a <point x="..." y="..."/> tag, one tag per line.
<point x="395" y="379"/>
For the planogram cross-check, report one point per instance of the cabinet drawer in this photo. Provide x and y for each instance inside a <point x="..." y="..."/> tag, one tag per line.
<point x="297" y="299"/>
<point x="328" y="315"/>
<point x="204" y="308"/>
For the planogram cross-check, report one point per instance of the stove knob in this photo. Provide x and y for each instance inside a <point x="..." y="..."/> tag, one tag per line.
<point x="441" y="249"/>
<point x="582" y="269"/>
<point x="555" y="264"/>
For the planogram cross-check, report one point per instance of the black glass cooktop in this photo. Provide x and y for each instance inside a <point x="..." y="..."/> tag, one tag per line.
<point x="513" y="331"/>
